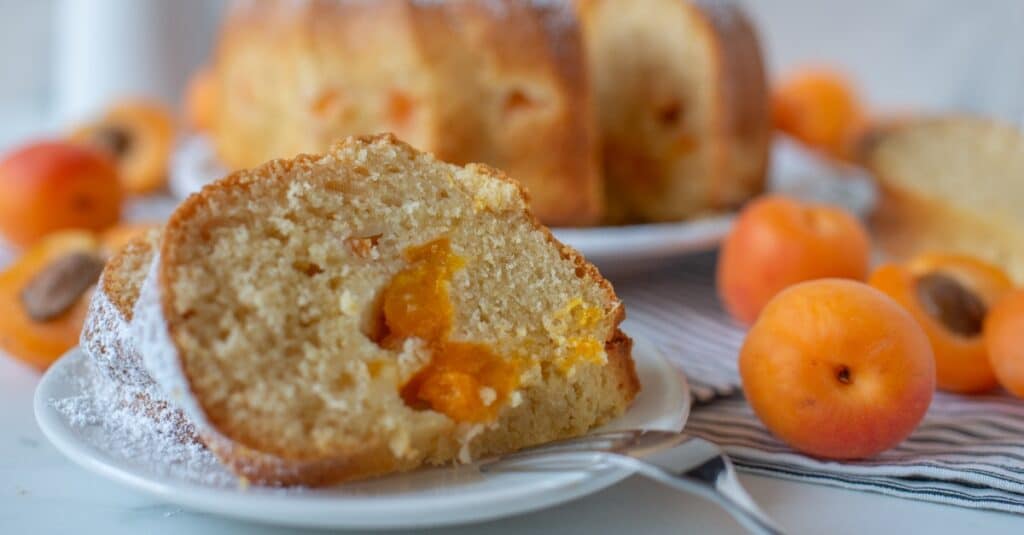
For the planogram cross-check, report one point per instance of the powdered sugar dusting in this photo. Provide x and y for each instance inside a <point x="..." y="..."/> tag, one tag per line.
<point x="105" y="338"/>
<point x="161" y="359"/>
<point x="158" y="352"/>
<point x="122" y="421"/>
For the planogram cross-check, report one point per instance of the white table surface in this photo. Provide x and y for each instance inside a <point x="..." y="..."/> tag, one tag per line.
<point x="41" y="492"/>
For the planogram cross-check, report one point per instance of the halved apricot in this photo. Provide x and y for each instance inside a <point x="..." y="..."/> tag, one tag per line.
<point x="949" y="295"/>
<point x="44" y="296"/>
<point x="990" y="282"/>
<point x="1004" y="340"/>
<point x="139" y="135"/>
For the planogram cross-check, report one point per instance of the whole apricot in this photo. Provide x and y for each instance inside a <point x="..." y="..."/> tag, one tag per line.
<point x="837" y="369"/>
<point x="777" y="242"/>
<point x="38" y="341"/>
<point x="1004" y="340"/>
<point x="54" y="185"/>
<point x="819" y="108"/>
<point x="949" y="296"/>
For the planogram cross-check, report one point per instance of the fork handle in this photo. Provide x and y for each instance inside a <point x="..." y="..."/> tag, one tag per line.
<point x="752" y="520"/>
<point x="713" y="479"/>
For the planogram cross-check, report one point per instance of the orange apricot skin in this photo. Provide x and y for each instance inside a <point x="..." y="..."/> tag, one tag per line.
<point x="777" y="242"/>
<point x="1004" y="340"/>
<point x="39" y="344"/>
<point x="792" y="358"/>
<point x="52" y="185"/>
<point x="961" y="363"/>
<point x="819" y="108"/>
<point x="201" y="100"/>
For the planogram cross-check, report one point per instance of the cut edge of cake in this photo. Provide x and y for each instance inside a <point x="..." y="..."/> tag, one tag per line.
<point x="911" y="218"/>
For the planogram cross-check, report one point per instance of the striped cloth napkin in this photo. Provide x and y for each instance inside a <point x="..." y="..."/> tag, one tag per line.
<point x="968" y="451"/>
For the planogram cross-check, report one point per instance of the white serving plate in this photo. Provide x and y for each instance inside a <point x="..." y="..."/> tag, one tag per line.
<point x="631" y="248"/>
<point x="425" y="498"/>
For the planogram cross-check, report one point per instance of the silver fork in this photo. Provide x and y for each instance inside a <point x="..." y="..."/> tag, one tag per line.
<point x="678" y="460"/>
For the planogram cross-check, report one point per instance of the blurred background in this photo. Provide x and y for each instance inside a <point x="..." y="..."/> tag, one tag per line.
<point x="64" y="60"/>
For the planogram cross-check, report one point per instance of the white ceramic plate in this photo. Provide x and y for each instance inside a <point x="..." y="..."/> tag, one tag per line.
<point x="638" y="247"/>
<point x="430" y="497"/>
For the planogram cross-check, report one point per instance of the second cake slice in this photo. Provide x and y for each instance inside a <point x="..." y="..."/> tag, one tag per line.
<point x="372" y="310"/>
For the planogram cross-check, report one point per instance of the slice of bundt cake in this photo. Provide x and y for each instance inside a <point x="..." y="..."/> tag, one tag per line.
<point x="107" y="339"/>
<point x="953" y="183"/>
<point x="371" y="310"/>
<point x="682" y="100"/>
<point x="105" y="334"/>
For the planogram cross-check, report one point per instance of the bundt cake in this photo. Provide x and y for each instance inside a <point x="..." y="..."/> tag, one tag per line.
<point x="501" y="82"/>
<point x="950" y="183"/>
<point x="371" y="310"/>
<point x="674" y="90"/>
<point x="682" y="99"/>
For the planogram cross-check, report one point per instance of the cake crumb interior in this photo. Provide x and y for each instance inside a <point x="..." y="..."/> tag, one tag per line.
<point x="277" y="291"/>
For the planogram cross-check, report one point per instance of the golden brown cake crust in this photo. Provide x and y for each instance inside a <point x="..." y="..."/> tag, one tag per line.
<point x="104" y="333"/>
<point x="545" y="134"/>
<point x="121" y="289"/>
<point x="746" y="119"/>
<point x="107" y="340"/>
<point x="370" y="459"/>
<point x="620" y="357"/>
<point x="499" y="82"/>
<point x="683" y="99"/>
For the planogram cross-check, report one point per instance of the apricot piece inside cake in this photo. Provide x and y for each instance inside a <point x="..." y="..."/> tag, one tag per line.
<point x="372" y="310"/>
